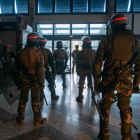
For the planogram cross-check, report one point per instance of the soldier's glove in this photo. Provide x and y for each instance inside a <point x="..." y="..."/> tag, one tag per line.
<point x="97" y="88"/>
<point x="136" y="90"/>
<point x="100" y="87"/>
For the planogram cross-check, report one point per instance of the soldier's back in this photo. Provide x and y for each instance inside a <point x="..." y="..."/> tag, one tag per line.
<point x="119" y="49"/>
<point x="60" y="54"/>
<point x="84" y="55"/>
<point x="29" y="56"/>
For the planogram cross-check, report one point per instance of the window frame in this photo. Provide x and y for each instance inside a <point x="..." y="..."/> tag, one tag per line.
<point x="71" y="9"/>
<point x="13" y="13"/>
<point x="131" y="9"/>
<point x="53" y="36"/>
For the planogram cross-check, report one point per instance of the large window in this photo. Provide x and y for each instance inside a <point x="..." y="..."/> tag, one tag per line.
<point x="80" y="6"/>
<point x="62" y="29"/>
<point x="14" y="6"/>
<point x="127" y="6"/>
<point x="98" y="29"/>
<point x="136" y="5"/>
<point x="21" y="6"/>
<point x="44" y="6"/>
<point x="6" y="6"/>
<point x="79" y="29"/>
<point x="62" y="6"/>
<point x="98" y="6"/>
<point x="123" y="5"/>
<point x="45" y="29"/>
<point x="70" y="6"/>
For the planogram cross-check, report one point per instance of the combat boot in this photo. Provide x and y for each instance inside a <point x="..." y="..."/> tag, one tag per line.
<point x="64" y="86"/>
<point x="39" y="121"/>
<point x="101" y="137"/>
<point x="20" y="119"/>
<point x="80" y="96"/>
<point x="53" y="95"/>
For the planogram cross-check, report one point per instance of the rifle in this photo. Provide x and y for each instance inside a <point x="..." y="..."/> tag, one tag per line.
<point x="26" y="73"/>
<point x="122" y="74"/>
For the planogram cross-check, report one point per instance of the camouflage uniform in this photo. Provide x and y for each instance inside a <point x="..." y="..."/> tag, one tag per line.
<point x="74" y="55"/>
<point x="83" y="67"/>
<point x="116" y="50"/>
<point x="48" y="59"/>
<point x="32" y="59"/>
<point x="6" y="55"/>
<point x="61" y="58"/>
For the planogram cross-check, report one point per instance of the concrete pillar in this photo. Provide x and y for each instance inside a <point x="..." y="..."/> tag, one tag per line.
<point x="19" y="33"/>
<point x="32" y="13"/>
<point x="110" y="12"/>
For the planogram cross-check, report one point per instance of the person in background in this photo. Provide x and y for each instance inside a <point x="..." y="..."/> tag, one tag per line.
<point x="74" y="55"/>
<point x="61" y="59"/>
<point x="49" y="66"/>
<point x="83" y="66"/>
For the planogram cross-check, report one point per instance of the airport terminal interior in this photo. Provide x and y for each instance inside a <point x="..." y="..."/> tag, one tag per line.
<point x="67" y="21"/>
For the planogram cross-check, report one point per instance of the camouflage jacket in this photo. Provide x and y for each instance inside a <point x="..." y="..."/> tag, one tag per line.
<point x="48" y="58"/>
<point x="75" y="53"/>
<point x="83" y="61"/>
<point x="60" y="55"/>
<point x="104" y="54"/>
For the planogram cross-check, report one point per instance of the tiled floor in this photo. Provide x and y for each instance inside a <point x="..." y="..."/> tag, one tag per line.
<point x="66" y="119"/>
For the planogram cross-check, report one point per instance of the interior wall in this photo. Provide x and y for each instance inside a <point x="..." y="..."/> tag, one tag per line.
<point x="137" y="24"/>
<point x="70" y="18"/>
<point x="9" y="37"/>
<point x="76" y="19"/>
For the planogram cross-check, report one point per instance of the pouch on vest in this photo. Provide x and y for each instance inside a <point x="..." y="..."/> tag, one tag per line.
<point x="122" y="48"/>
<point x="61" y="54"/>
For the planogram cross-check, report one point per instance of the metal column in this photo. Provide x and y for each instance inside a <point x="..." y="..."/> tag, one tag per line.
<point x="32" y="13"/>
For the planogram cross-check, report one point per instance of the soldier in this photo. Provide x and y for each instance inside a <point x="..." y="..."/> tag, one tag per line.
<point x="61" y="58"/>
<point x="48" y="61"/>
<point x="7" y="61"/>
<point x="74" y="55"/>
<point x="116" y="50"/>
<point x="32" y="59"/>
<point x="6" y="52"/>
<point x="83" y="65"/>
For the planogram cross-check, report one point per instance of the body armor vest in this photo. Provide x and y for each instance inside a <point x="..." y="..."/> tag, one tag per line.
<point x="122" y="47"/>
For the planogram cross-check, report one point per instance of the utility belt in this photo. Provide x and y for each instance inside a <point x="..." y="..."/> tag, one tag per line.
<point x="34" y="76"/>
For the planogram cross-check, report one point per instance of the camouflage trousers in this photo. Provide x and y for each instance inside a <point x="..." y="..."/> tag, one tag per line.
<point x="49" y="78"/>
<point x="25" y="87"/>
<point x="61" y="70"/>
<point x="82" y="82"/>
<point x="124" y="92"/>
<point x="74" y="63"/>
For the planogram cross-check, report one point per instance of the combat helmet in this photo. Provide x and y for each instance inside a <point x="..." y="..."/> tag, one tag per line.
<point x="76" y="46"/>
<point x="118" y="19"/>
<point x="42" y="41"/>
<point x="6" y="46"/>
<point x="59" y="44"/>
<point x="86" y="42"/>
<point x="32" y="39"/>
